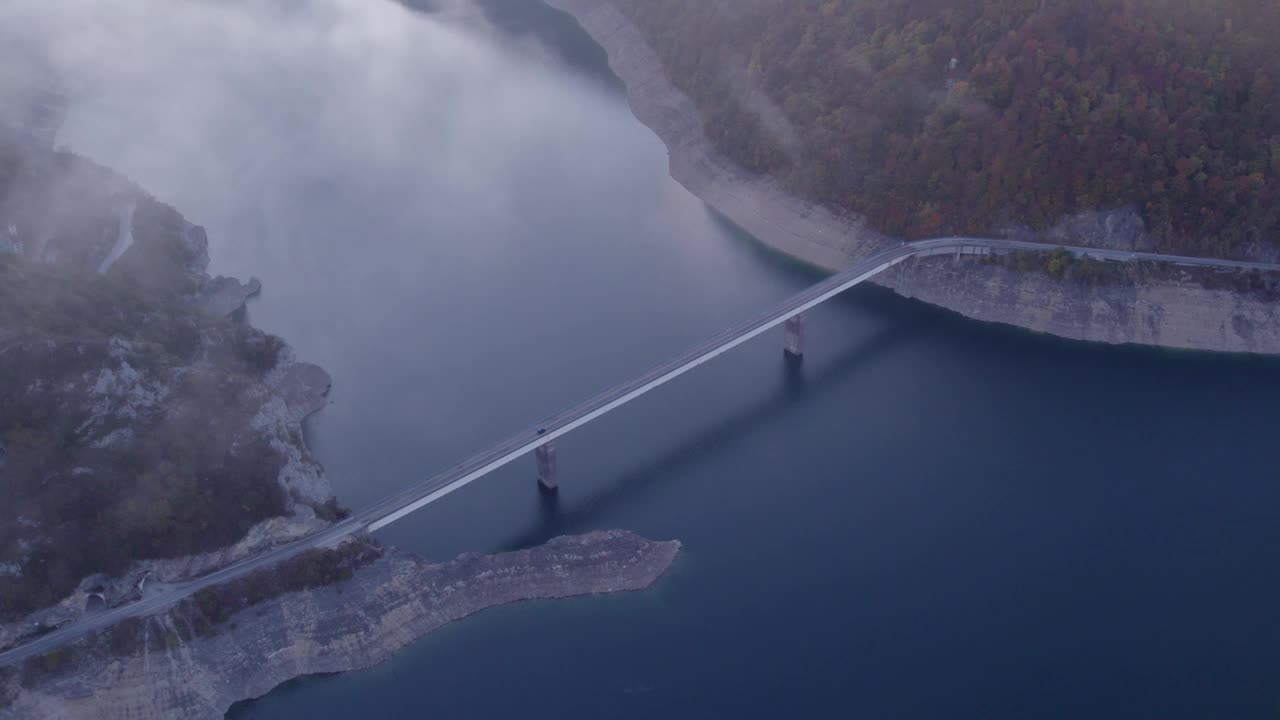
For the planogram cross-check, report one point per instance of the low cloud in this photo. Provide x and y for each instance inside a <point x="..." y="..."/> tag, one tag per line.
<point x="206" y="102"/>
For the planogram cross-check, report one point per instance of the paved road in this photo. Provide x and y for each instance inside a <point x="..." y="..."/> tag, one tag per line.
<point x="397" y="506"/>
<point x="1117" y="255"/>
<point x="172" y="594"/>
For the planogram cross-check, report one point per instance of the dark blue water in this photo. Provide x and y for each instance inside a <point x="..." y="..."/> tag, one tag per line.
<point x="929" y="517"/>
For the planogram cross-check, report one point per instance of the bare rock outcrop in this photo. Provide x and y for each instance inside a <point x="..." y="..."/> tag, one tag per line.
<point x="146" y="433"/>
<point x="1153" y="306"/>
<point x="223" y="296"/>
<point x="336" y="628"/>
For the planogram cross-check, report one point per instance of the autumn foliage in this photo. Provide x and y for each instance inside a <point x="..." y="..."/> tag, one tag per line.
<point x="1054" y="106"/>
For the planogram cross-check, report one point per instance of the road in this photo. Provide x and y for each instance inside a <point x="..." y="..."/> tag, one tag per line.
<point x="418" y="496"/>
<point x="1116" y="255"/>
<point x="174" y="593"/>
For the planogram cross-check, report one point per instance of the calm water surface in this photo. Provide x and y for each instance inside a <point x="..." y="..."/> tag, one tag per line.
<point x="930" y="518"/>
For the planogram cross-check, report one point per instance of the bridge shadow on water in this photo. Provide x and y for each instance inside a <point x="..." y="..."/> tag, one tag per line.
<point x="555" y="519"/>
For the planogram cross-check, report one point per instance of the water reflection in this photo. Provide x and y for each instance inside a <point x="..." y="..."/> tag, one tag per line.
<point x="469" y="239"/>
<point x="647" y="479"/>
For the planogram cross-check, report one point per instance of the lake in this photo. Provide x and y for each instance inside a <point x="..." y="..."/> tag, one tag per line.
<point x="454" y="212"/>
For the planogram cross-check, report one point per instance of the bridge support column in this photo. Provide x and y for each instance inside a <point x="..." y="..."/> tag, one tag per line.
<point x="545" y="455"/>
<point x="794" y="343"/>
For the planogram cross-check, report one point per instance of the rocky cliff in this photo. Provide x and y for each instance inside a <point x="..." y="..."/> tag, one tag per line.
<point x="345" y="626"/>
<point x="143" y="433"/>
<point x="1170" y="310"/>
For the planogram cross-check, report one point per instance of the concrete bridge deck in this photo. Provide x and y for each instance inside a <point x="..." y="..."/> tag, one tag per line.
<point x="414" y="498"/>
<point x="398" y="506"/>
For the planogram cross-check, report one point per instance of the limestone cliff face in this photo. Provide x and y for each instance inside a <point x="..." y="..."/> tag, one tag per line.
<point x="1169" y="311"/>
<point x="347" y="626"/>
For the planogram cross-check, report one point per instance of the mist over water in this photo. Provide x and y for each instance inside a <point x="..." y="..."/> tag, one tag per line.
<point x="208" y="103"/>
<point x="928" y="517"/>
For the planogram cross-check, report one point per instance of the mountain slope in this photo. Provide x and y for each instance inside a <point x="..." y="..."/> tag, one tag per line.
<point x="1053" y="107"/>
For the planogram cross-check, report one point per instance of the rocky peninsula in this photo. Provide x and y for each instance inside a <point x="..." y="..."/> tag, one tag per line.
<point x="338" y="627"/>
<point x="1154" y="306"/>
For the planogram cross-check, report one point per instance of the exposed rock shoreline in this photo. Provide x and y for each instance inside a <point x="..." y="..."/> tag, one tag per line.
<point x="1167" y="309"/>
<point x="106" y="367"/>
<point x="346" y="626"/>
<point x="106" y="373"/>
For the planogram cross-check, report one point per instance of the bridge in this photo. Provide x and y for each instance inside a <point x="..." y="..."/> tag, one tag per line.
<point x="790" y="314"/>
<point x="539" y="439"/>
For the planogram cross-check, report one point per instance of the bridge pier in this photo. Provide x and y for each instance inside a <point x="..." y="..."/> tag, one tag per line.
<point x="545" y="456"/>
<point x="794" y="343"/>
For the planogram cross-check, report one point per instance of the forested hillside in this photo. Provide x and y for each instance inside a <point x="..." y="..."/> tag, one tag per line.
<point x="132" y="422"/>
<point x="1053" y="106"/>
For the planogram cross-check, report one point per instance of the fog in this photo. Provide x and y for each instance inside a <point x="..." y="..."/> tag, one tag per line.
<point x="228" y="109"/>
<point x="429" y="203"/>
